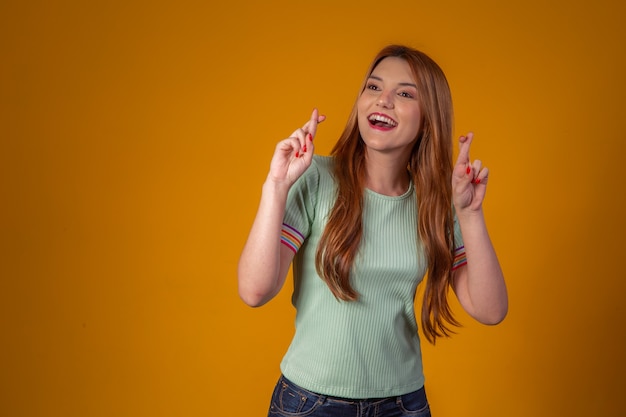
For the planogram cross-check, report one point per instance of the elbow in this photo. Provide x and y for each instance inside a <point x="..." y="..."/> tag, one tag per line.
<point x="494" y="320"/>
<point x="252" y="296"/>
<point x="251" y="299"/>
<point x="494" y="317"/>
<point x="248" y="291"/>
<point x="256" y="288"/>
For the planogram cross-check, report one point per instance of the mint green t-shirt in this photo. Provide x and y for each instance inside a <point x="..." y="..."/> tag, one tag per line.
<point x="367" y="348"/>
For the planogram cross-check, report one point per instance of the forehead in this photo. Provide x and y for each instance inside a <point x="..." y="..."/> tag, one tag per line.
<point x="393" y="69"/>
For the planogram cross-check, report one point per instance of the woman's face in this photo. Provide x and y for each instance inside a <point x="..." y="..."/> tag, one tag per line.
<point x="389" y="114"/>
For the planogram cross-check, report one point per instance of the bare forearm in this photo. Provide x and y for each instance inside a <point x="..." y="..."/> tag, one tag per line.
<point x="484" y="286"/>
<point x="264" y="261"/>
<point x="259" y="269"/>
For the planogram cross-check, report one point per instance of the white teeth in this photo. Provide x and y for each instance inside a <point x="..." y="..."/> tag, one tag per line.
<point x="382" y="119"/>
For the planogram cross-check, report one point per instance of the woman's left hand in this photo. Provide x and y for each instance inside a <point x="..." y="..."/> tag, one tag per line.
<point x="469" y="179"/>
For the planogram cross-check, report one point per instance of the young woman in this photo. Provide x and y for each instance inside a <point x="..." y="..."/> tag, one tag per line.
<point x="363" y="227"/>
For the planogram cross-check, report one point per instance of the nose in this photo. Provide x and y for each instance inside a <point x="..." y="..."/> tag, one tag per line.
<point x="385" y="100"/>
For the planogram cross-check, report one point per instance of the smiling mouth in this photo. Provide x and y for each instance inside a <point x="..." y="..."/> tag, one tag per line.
<point x="381" y="121"/>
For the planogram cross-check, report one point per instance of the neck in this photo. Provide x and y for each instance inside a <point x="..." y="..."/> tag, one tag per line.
<point x="386" y="175"/>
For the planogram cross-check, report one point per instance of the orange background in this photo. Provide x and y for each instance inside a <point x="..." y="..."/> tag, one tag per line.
<point x="135" y="137"/>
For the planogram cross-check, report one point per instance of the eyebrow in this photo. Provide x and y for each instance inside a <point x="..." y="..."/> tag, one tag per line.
<point x="401" y="84"/>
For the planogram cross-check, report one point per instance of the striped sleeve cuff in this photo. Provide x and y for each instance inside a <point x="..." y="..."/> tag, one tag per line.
<point x="291" y="238"/>
<point x="460" y="258"/>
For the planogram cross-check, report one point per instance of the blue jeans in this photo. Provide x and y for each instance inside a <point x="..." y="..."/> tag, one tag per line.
<point x="290" y="400"/>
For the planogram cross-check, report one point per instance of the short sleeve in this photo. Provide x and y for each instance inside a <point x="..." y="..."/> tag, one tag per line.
<point x="300" y="209"/>
<point x="460" y="258"/>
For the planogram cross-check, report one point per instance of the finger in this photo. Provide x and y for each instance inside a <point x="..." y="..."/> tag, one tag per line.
<point x="307" y="151"/>
<point x="482" y="177"/>
<point x="477" y="166"/>
<point x="299" y="138"/>
<point x="304" y="140"/>
<point x="464" y="147"/>
<point x="312" y="122"/>
<point x="311" y="125"/>
<point x="307" y="146"/>
<point x="289" y="145"/>
<point x="305" y="134"/>
<point x="473" y="169"/>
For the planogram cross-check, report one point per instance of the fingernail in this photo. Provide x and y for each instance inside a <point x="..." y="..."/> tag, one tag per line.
<point x="297" y="154"/>
<point x="476" y="181"/>
<point x="310" y="136"/>
<point x="468" y="170"/>
<point x="304" y="149"/>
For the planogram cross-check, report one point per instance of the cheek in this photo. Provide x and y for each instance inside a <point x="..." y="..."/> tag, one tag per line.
<point x="362" y="123"/>
<point x="361" y="104"/>
<point x="416" y="120"/>
<point x="361" y="114"/>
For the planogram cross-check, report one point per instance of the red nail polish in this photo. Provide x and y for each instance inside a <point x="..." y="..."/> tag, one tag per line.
<point x="477" y="181"/>
<point x="310" y="137"/>
<point x="297" y="154"/>
<point x="468" y="170"/>
<point x="304" y="149"/>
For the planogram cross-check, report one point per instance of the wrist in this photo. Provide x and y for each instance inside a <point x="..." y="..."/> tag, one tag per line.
<point x="469" y="214"/>
<point x="275" y="187"/>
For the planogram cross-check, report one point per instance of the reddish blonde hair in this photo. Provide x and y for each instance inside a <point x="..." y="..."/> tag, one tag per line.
<point x="430" y="166"/>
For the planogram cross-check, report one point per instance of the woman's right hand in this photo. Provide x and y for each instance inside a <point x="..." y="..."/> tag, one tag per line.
<point x="265" y="261"/>
<point x="294" y="155"/>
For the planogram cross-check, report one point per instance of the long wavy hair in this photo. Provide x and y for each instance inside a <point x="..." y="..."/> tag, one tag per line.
<point x="430" y="166"/>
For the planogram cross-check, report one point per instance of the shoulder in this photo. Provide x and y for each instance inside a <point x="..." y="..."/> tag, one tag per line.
<point x="317" y="181"/>
<point x="323" y="163"/>
<point x="320" y="169"/>
<point x="324" y="171"/>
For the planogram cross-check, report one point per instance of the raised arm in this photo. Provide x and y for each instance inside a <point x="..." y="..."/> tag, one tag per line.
<point x="479" y="285"/>
<point x="264" y="261"/>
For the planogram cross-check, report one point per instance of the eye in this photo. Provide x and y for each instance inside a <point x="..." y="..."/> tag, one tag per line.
<point x="371" y="86"/>
<point x="405" y="94"/>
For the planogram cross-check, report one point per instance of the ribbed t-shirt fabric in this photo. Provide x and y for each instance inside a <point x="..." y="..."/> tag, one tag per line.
<point x="368" y="348"/>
